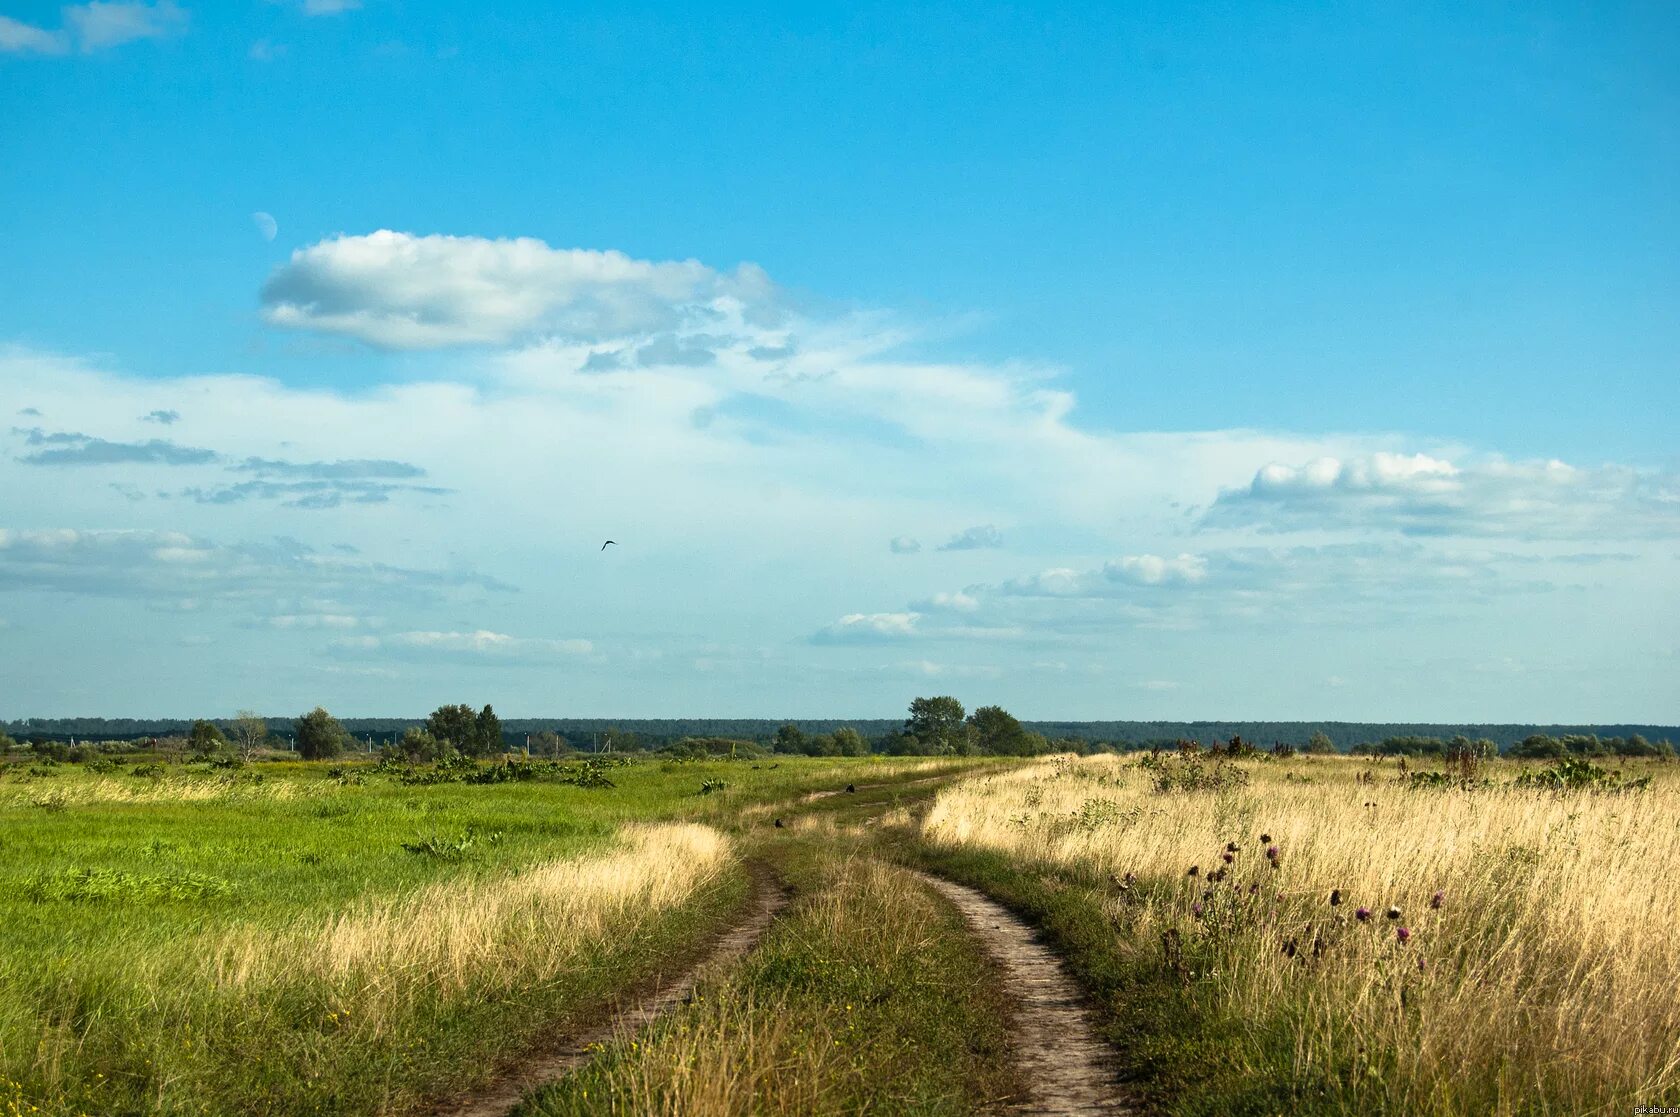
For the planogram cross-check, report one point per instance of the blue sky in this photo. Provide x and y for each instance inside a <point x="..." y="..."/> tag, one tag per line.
<point x="1170" y="361"/>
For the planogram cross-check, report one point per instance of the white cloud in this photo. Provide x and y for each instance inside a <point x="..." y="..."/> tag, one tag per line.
<point x="17" y="37"/>
<point x="978" y="538"/>
<point x="267" y="227"/>
<point x="100" y="25"/>
<point x="904" y="545"/>
<point x="869" y="628"/>
<point x="329" y="7"/>
<point x="401" y="291"/>
<point x="1424" y="495"/>
<point x="177" y="568"/>
<point x="942" y="602"/>
<point x="480" y="646"/>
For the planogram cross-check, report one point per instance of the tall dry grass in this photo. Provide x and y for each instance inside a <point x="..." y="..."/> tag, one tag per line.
<point x="1544" y="981"/>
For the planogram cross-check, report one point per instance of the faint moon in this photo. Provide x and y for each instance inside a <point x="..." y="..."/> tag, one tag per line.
<point x="266" y="225"/>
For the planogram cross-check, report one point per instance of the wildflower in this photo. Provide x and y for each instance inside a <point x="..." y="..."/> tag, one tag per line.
<point x="1227" y="857"/>
<point x="1195" y="871"/>
<point x="1230" y="847"/>
<point x="1335" y="897"/>
<point x="1362" y="914"/>
<point x="1404" y="934"/>
<point x="1393" y="913"/>
<point x="1438" y="899"/>
<point x="1265" y="839"/>
<point x="1272" y="854"/>
<point x="1253" y="888"/>
<point x="1196" y="909"/>
<point x="1289" y="949"/>
<point x="1421" y="966"/>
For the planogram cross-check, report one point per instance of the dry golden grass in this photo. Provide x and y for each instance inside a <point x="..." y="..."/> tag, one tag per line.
<point x="486" y="933"/>
<point x="1545" y="981"/>
<point x="163" y="789"/>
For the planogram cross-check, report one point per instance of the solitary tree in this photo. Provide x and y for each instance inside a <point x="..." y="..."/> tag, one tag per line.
<point x="849" y="742"/>
<point x="454" y="726"/>
<point x="997" y="731"/>
<point x="487" y="733"/>
<point x="1320" y="742"/>
<point x="249" y="733"/>
<point x="204" y="738"/>
<point x="938" y="724"/>
<point x="319" y="735"/>
<point x="790" y="739"/>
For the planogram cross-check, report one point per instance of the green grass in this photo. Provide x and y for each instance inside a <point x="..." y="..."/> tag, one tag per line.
<point x="116" y="909"/>
<point x="868" y="996"/>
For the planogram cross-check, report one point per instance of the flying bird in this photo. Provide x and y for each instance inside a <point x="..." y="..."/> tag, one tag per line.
<point x="609" y="543"/>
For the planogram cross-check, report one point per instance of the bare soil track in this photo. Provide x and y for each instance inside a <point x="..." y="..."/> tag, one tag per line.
<point x="664" y="992"/>
<point x="1068" y="1067"/>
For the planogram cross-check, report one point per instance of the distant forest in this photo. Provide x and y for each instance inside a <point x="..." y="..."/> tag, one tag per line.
<point x="587" y="734"/>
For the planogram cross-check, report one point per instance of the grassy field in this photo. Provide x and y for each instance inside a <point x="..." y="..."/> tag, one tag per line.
<point x="294" y="938"/>
<point x="1332" y="935"/>
<point x="866" y="997"/>
<point x="1320" y="935"/>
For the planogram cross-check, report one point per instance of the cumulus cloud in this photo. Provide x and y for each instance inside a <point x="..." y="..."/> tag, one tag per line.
<point x="476" y="647"/>
<point x="979" y="537"/>
<point x="101" y="25"/>
<point x="904" y="545"/>
<point x="1422" y="495"/>
<point x="162" y="418"/>
<point x="401" y="291"/>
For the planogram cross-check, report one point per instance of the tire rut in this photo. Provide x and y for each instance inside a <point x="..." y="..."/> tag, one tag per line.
<point x="1068" y="1067"/>
<point x="502" y="1097"/>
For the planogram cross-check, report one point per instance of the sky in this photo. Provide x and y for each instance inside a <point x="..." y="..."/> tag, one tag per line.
<point x="1110" y="361"/>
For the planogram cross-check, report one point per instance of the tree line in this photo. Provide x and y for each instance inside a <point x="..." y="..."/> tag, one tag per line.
<point x="935" y="725"/>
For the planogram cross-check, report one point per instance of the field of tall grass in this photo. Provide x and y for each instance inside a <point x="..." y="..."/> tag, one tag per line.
<point x="1348" y="936"/>
<point x="294" y="938"/>
<point x="867" y="996"/>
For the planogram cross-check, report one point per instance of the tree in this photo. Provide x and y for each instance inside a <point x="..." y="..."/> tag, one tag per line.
<point x="996" y="731"/>
<point x="938" y="724"/>
<point x="789" y="739"/>
<point x="1538" y="746"/>
<point x="6" y="743"/>
<point x="454" y="726"/>
<point x="205" y="739"/>
<point x="1320" y="742"/>
<point x="849" y="742"/>
<point x="487" y="733"/>
<point x="547" y="742"/>
<point x="319" y="735"/>
<point x="250" y="732"/>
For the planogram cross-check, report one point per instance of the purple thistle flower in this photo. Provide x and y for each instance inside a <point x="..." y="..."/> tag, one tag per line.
<point x="1265" y="839"/>
<point x="1228" y="857"/>
<point x="1393" y="913"/>
<point x="1404" y="934"/>
<point x="1362" y="914"/>
<point x="1230" y="847"/>
<point x="1438" y="899"/>
<point x="1195" y="870"/>
<point x="1421" y="966"/>
<point x="1253" y="888"/>
<point x="1272" y="853"/>
<point x="1335" y="897"/>
<point x="1196" y="909"/>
